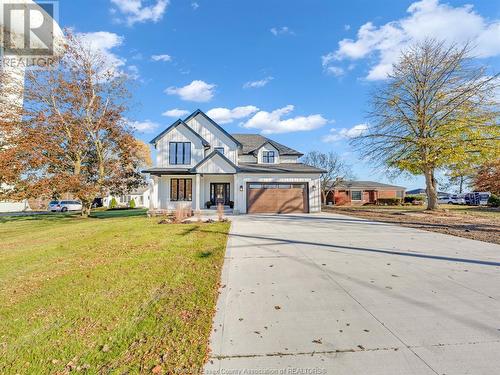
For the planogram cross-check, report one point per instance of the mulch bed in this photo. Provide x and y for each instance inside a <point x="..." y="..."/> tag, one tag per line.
<point x="457" y="224"/>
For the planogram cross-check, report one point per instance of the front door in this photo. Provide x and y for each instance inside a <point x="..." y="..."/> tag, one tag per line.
<point x="219" y="193"/>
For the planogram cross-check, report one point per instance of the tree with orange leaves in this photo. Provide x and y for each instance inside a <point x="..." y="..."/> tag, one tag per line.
<point x="488" y="177"/>
<point x="72" y="136"/>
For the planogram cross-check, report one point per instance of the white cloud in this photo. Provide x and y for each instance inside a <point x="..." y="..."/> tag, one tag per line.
<point x="133" y="72"/>
<point x="226" y="115"/>
<point x="135" y="11"/>
<point x="196" y="91"/>
<point x="272" y="122"/>
<point x="176" y="112"/>
<point x="336" y="71"/>
<point x="345" y="133"/>
<point x="146" y="126"/>
<point x="257" y="84"/>
<point x="347" y="27"/>
<point x="426" y="19"/>
<point x="104" y="42"/>
<point x="284" y="30"/>
<point x="164" y="58"/>
<point x="195" y="5"/>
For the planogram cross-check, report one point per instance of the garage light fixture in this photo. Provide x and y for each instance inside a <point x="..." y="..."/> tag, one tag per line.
<point x="241" y="187"/>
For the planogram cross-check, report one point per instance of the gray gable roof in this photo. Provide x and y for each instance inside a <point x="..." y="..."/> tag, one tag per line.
<point x="174" y="125"/>
<point x="367" y="185"/>
<point x="252" y="142"/>
<point x="278" y="168"/>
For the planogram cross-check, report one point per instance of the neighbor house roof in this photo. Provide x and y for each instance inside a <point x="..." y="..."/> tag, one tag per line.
<point x="174" y="125"/>
<point x="139" y="191"/>
<point x="423" y="191"/>
<point x="252" y="142"/>
<point x="278" y="168"/>
<point x="367" y="185"/>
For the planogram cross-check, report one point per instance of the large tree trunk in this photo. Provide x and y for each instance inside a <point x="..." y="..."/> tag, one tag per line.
<point x="86" y="207"/>
<point x="430" y="187"/>
<point x="323" y="196"/>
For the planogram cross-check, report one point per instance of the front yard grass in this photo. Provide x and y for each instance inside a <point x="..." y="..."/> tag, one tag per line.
<point x="115" y="293"/>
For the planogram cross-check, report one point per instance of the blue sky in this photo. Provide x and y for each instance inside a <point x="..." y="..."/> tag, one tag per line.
<point x="299" y="72"/>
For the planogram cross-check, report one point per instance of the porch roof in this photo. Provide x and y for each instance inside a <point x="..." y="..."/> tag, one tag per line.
<point x="161" y="171"/>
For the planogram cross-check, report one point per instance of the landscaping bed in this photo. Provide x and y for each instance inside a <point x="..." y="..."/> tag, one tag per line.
<point x="476" y="223"/>
<point x="112" y="293"/>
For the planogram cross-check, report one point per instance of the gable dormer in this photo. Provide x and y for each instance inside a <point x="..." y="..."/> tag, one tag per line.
<point x="267" y="154"/>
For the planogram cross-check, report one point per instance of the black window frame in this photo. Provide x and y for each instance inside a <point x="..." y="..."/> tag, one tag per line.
<point x="188" y="193"/>
<point x="268" y="157"/>
<point x="173" y="153"/>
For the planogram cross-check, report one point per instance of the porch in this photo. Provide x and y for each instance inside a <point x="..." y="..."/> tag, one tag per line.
<point x="199" y="192"/>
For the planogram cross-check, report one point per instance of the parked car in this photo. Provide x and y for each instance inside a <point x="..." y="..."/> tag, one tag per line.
<point x="64" y="206"/>
<point x="477" y="198"/>
<point x="451" y="199"/>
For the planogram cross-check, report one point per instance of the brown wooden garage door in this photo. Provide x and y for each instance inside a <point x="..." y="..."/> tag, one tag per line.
<point x="277" y="198"/>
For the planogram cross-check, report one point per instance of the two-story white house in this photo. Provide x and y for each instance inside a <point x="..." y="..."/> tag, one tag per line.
<point x="199" y="164"/>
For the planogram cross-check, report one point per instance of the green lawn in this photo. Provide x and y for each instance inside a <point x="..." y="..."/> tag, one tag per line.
<point x="114" y="293"/>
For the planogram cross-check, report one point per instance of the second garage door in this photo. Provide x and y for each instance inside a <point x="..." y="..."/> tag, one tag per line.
<point x="277" y="198"/>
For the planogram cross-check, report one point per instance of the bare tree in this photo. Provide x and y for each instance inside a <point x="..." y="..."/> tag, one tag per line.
<point x="336" y="170"/>
<point x="436" y="109"/>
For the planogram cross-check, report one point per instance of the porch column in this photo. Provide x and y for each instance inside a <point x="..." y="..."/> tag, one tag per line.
<point x="153" y="196"/>
<point x="197" y="190"/>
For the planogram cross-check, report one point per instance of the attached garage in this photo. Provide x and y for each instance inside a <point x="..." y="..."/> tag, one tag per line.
<point x="277" y="197"/>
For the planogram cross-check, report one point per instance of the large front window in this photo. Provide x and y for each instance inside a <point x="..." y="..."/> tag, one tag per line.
<point x="181" y="189"/>
<point x="180" y="153"/>
<point x="356" y="195"/>
<point x="268" y="157"/>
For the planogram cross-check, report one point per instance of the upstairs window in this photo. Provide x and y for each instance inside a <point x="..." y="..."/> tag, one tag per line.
<point x="268" y="157"/>
<point x="180" y="153"/>
<point x="219" y="149"/>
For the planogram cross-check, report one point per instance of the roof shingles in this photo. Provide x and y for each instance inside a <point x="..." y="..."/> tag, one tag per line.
<point x="252" y="142"/>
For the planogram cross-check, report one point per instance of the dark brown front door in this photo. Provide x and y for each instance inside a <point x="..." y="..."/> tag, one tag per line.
<point x="219" y="193"/>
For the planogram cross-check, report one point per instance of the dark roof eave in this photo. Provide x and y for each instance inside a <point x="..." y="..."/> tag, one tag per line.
<point x="174" y="125"/>
<point x="167" y="171"/>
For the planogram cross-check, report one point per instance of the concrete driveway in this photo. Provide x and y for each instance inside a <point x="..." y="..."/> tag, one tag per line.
<point x="332" y="294"/>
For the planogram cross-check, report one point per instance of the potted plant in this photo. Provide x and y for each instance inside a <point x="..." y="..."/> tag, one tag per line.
<point x="231" y="204"/>
<point x="208" y="205"/>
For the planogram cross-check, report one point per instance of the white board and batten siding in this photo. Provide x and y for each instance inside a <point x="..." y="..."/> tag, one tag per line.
<point x="216" y="165"/>
<point x="214" y="136"/>
<point x="312" y="180"/>
<point x="179" y="134"/>
<point x="164" y="193"/>
<point x="289" y="159"/>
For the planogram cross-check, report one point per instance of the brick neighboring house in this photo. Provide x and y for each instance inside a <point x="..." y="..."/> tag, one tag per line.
<point x="357" y="193"/>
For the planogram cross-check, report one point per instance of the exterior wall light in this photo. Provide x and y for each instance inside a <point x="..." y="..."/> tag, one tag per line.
<point x="241" y="187"/>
